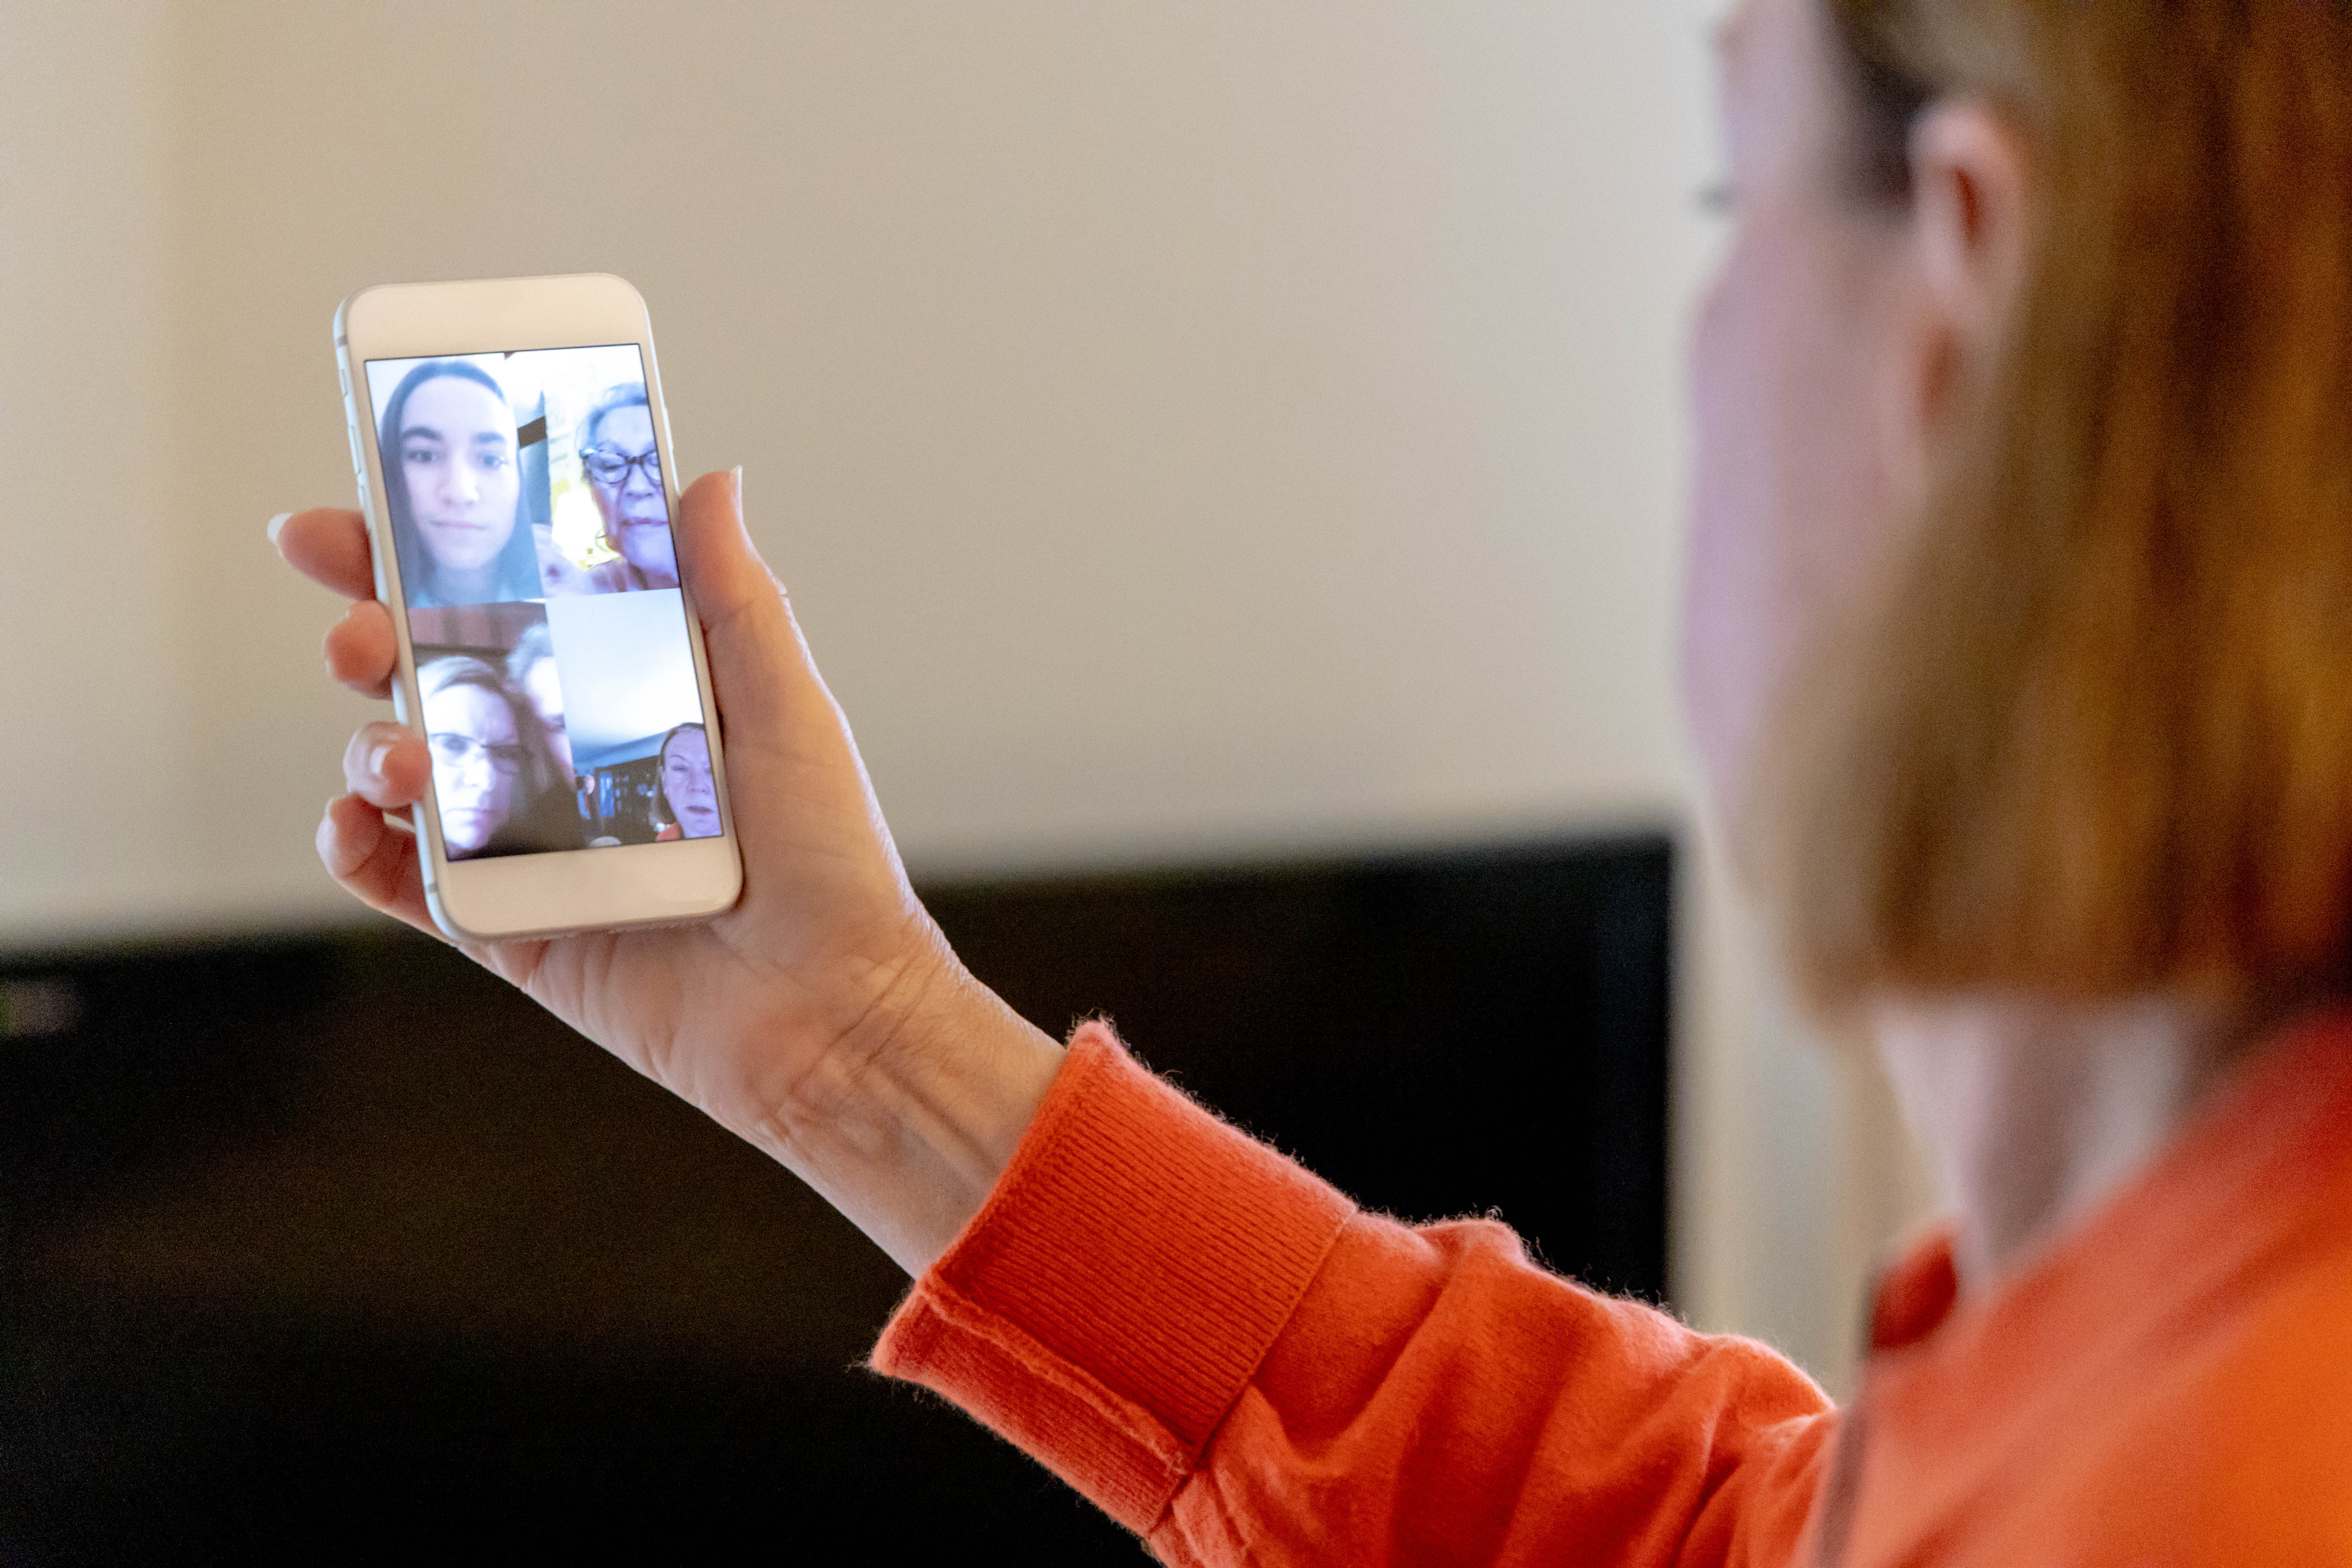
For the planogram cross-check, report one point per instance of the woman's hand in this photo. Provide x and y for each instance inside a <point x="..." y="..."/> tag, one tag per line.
<point x="823" y="1018"/>
<point x="558" y="571"/>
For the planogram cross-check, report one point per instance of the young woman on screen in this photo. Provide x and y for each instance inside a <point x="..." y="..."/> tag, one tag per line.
<point x="2018" y="636"/>
<point x="455" y="489"/>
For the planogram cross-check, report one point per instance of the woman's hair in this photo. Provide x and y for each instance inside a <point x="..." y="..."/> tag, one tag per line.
<point x="624" y="395"/>
<point x="534" y="820"/>
<point x="663" y="814"/>
<point x="537" y="643"/>
<point x="437" y="675"/>
<point x="534" y="647"/>
<point x="515" y="570"/>
<point x="2096" y="735"/>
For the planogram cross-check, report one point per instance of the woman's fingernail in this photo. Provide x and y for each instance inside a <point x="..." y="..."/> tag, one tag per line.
<point x="277" y="524"/>
<point x="739" y="487"/>
<point x="376" y="757"/>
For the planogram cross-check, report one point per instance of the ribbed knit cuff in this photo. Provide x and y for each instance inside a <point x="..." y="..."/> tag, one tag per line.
<point x="1115" y="1293"/>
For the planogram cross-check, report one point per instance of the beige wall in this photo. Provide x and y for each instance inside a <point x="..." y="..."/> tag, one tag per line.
<point x="1187" y="429"/>
<point x="95" y="695"/>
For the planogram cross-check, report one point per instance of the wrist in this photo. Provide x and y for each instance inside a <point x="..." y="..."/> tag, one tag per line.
<point x="905" y="1120"/>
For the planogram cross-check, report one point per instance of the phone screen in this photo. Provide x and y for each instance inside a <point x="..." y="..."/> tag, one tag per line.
<point x="531" y="530"/>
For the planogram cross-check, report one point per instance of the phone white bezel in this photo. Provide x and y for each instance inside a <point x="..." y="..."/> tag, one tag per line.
<point x="559" y="891"/>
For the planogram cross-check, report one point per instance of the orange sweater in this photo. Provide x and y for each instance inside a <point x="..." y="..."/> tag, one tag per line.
<point x="1227" y="1355"/>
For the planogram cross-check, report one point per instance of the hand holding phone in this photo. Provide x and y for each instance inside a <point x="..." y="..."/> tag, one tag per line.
<point x="822" y="1016"/>
<point x="513" y="452"/>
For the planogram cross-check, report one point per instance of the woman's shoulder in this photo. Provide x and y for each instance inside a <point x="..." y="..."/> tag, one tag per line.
<point x="2171" y="1383"/>
<point x="2274" y="1390"/>
<point x="564" y="578"/>
<point x="2240" y="1451"/>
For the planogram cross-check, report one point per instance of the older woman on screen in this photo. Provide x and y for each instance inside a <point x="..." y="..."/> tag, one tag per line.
<point x="453" y="488"/>
<point x="492" y="764"/>
<point x="2020" y="636"/>
<point x="622" y="463"/>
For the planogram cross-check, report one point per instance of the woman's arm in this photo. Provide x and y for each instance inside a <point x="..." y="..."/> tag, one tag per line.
<point x="1232" y="1359"/>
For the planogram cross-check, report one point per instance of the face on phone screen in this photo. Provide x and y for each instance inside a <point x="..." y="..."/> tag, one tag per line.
<point x="531" y="531"/>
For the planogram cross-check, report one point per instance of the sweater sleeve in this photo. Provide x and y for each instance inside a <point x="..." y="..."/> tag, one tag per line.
<point x="1235" y="1363"/>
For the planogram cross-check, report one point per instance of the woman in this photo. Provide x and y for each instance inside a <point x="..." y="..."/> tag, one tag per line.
<point x="492" y="768"/>
<point x="453" y="488"/>
<point x="622" y="466"/>
<point x="531" y="672"/>
<point x="685" y="801"/>
<point x="2018" y="628"/>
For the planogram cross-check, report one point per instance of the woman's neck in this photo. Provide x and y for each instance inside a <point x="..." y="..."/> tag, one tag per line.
<point x="478" y="586"/>
<point x="2034" y="1111"/>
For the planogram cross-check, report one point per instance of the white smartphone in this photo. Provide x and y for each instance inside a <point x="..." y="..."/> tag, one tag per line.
<point x="514" y="462"/>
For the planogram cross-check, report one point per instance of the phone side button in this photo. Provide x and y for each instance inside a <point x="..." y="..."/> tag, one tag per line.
<point x="375" y="564"/>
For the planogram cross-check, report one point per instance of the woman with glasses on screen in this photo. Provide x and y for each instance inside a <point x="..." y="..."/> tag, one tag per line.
<point x="492" y="766"/>
<point x="455" y="488"/>
<point x="623" y="466"/>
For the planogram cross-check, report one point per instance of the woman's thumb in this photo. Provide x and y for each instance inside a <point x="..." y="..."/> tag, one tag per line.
<point x="757" y="660"/>
<point x="721" y="568"/>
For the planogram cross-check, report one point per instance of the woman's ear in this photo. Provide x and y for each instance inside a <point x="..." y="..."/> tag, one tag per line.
<point x="1971" y="217"/>
<point x="1964" y="247"/>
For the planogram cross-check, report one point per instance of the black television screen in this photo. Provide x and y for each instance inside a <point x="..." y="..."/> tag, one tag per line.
<point x="283" y="1269"/>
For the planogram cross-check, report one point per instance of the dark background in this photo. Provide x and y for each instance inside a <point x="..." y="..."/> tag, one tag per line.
<point x="333" y="1245"/>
